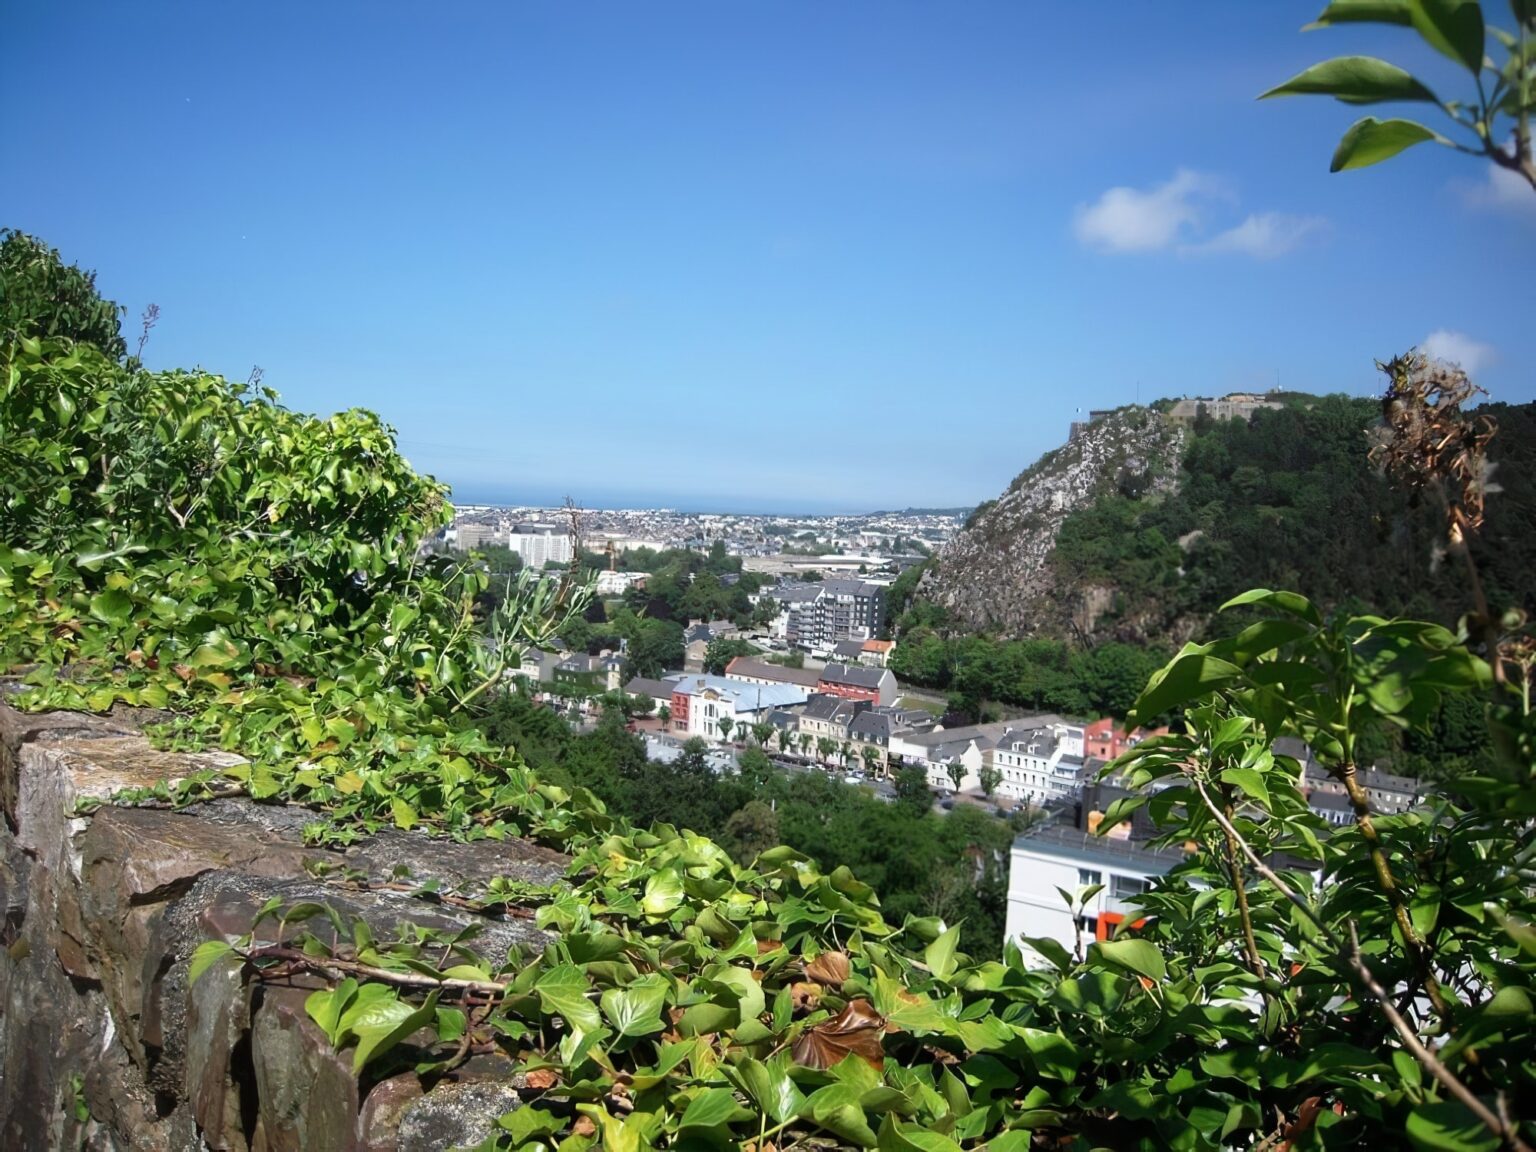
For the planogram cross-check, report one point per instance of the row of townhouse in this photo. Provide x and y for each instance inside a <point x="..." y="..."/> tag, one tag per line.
<point x="1038" y="759"/>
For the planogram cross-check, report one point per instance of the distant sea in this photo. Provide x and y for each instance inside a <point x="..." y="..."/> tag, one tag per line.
<point x="695" y="502"/>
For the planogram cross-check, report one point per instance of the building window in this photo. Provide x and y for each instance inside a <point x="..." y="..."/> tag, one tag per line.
<point x="1124" y="887"/>
<point x="1088" y="876"/>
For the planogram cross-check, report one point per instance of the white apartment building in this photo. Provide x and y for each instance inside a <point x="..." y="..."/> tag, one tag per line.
<point x="540" y="544"/>
<point x="1058" y="856"/>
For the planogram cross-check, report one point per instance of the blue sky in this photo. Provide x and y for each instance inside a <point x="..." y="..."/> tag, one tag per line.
<point x="749" y="255"/>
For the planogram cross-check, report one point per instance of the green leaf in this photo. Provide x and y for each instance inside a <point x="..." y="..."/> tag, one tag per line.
<point x="836" y="1108"/>
<point x="635" y="1011"/>
<point x="770" y="1085"/>
<point x="1453" y="28"/>
<point x="898" y="1137"/>
<point x="524" y="1123"/>
<point x="404" y="815"/>
<point x="713" y="1107"/>
<point x="387" y="1023"/>
<point x="563" y="991"/>
<point x="1355" y="80"/>
<point x="940" y="955"/>
<point x="1370" y="141"/>
<point x="1289" y="602"/>
<point x="1139" y="956"/>
<point x="1448" y="1127"/>
<point x="663" y="892"/>
<point x="112" y="606"/>
<point x="325" y="1007"/>
<point x="1250" y="781"/>
<point x="207" y="954"/>
<point x="1363" y="12"/>
<point x="1192" y="675"/>
<point x="1054" y="1054"/>
<point x="1014" y="1140"/>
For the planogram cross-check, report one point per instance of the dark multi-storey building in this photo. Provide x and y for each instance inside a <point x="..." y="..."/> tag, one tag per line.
<point x="822" y="614"/>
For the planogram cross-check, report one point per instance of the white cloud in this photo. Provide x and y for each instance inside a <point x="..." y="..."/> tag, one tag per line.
<point x="1458" y="348"/>
<point x="1503" y="191"/>
<point x="1175" y="215"/>
<point x="1263" y="235"/>
<point x="1130" y="220"/>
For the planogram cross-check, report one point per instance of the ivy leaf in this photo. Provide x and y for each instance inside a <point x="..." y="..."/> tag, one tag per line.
<point x="1053" y="1053"/>
<point x="712" y="1108"/>
<point x="404" y="815"/>
<point x="563" y="991"/>
<point x="857" y="1029"/>
<point x="770" y="1086"/>
<point x="830" y="968"/>
<point x="204" y="956"/>
<point x="836" y="1108"/>
<point x="112" y="606"/>
<point x="663" y="892"/>
<point x="385" y="1024"/>
<point x="940" y="955"/>
<point x="898" y="1137"/>
<point x="635" y="1011"/>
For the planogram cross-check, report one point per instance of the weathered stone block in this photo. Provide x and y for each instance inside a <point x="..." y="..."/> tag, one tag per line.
<point x="100" y="914"/>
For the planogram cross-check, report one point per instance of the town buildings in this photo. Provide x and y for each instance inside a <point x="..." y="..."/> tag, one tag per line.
<point x="851" y="682"/>
<point x="751" y="670"/>
<point x="701" y="702"/>
<point x="1106" y="740"/>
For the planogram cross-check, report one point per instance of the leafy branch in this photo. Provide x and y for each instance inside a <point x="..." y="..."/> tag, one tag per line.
<point x="1501" y="107"/>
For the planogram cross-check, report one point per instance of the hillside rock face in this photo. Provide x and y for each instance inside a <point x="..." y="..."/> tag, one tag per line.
<point x="995" y="574"/>
<point x="104" y="1045"/>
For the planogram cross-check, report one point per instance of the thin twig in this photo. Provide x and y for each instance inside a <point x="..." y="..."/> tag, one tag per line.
<point x="383" y="975"/>
<point x="1448" y="1079"/>
<point x="1263" y="869"/>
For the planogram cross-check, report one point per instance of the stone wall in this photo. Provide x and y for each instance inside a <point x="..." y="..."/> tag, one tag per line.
<point x="103" y="1045"/>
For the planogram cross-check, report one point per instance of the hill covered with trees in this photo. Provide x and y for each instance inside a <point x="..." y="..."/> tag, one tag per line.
<point x="1289" y="499"/>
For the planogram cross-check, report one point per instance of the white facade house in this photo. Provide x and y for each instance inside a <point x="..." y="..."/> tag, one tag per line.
<point x="700" y="703"/>
<point x="1072" y="860"/>
<point x="1039" y="764"/>
<point x="618" y="583"/>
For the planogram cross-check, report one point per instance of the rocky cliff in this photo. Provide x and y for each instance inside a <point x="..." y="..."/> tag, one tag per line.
<point x="995" y="574"/>
<point x="103" y="1042"/>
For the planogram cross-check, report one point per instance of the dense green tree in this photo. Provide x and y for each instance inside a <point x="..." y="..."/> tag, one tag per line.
<point x="753" y="828"/>
<point x="990" y="778"/>
<point x="720" y="652"/>
<point x="40" y="295"/>
<point x="912" y="791"/>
